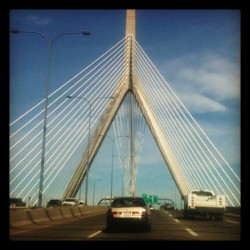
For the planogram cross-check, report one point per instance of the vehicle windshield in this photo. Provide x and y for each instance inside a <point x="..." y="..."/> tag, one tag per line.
<point x="202" y="193"/>
<point x="128" y="202"/>
<point x="70" y="199"/>
<point x="54" y="201"/>
<point x="15" y="200"/>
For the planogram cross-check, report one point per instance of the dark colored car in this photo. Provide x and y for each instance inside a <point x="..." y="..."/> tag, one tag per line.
<point x="167" y="206"/>
<point x="16" y="202"/>
<point x="128" y="211"/>
<point x="54" y="203"/>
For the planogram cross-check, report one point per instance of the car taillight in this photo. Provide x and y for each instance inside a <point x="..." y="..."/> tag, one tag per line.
<point x="109" y="212"/>
<point x="220" y="201"/>
<point x="192" y="200"/>
<point x="112" y="213"/>
<point x="145" y="213"/>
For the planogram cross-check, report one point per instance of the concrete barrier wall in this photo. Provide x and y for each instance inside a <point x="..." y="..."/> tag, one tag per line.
<point x="66" y="212"/>
<point x="54" y="214"/>
<point x="75" y="211"/>
<point x="19" y="218"/>
<point x="38" y="215"/>
<point x="23" y="217"/>
<point x="92" y="209"/>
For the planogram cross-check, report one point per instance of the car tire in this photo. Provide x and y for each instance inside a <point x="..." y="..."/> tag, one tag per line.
<point x="148" y="228"/>
<point x="109" y="226"/>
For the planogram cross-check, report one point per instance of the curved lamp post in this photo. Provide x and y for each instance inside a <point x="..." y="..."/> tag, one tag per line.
<point x="49" y="44"/>
<point x="113" y="141"/>
<point x="94" y="190"/>
<point x="90" y="113"/>
<point x="123" y="160"/>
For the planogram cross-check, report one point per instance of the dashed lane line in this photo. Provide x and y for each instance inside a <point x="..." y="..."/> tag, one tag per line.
<point x="191" y="232"/>
<point x="231" y="221"/>
<point x="187" y="229"/>
<point x="94" y="234"/>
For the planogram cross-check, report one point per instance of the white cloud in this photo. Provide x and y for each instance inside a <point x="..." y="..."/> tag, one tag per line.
<point x="219" y="84"/>
<point x="194" y="101"/>
<point x="207" y="80"/>
<point x="200" y="104"/>
<point x="226" y="137"/>
<point x="37" y="20"/>
<point x="221" y="131"/>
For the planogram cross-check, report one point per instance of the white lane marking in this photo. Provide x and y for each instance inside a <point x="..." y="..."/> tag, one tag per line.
<point x="170" y="215"/>
<point x="176" y="220"/>
<point x="232" y="221"/>
<point x="94" y="234"/>
<point x="191" y="232"/>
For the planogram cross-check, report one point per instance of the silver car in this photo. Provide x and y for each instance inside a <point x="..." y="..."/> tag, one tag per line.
<point x="128" y="211"/>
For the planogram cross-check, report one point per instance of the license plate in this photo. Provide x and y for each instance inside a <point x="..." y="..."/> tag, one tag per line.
<point x="126" y="214"/>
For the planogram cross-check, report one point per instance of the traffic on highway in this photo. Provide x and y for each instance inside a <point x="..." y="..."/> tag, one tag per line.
<point x="165" y="225"/>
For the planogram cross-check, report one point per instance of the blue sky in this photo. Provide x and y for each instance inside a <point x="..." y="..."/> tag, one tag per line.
<point x="197" y="52"/>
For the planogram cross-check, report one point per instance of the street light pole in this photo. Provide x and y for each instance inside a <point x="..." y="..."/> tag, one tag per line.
<point x="94" y="190"/>
<point x="113" y="142"/>
<point x="49" y="44"/>
<point x="90" y="113"/>
<point x="123" y="159"/>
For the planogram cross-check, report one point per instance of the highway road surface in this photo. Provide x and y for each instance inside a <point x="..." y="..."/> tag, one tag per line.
<point x="166" y="225"/>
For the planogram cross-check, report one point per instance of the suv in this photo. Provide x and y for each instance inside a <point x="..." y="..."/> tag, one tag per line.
<point x="54" y="203"/>
<point x="16" y="202"/>
<point x="81" y="203"/>
<point x="70" y="202"/>
<point x="167" y="206"/>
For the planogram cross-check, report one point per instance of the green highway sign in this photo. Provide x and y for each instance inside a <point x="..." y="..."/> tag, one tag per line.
<point x="150" y="198"/>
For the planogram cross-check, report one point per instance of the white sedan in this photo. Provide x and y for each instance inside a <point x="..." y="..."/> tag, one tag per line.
<point x="128" y="211"/>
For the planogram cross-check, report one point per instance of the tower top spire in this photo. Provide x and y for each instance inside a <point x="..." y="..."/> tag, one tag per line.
<point x="130" y="23"/>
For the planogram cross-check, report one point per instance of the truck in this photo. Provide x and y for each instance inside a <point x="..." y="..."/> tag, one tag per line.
<point x="70" y="202"/>
<point x="204" y="203"/>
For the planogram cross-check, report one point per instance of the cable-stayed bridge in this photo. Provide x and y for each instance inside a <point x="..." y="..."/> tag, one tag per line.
<point x="121" y="90"/>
